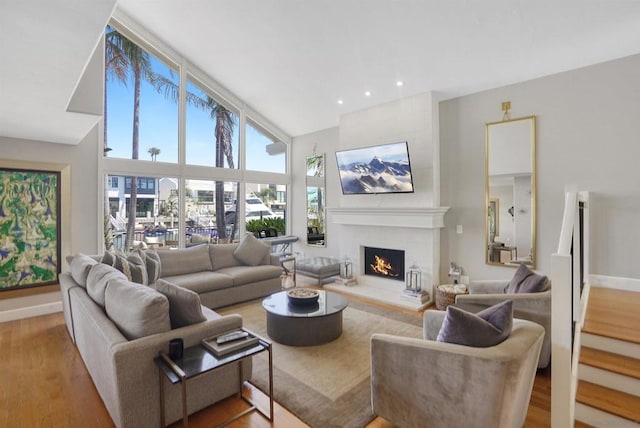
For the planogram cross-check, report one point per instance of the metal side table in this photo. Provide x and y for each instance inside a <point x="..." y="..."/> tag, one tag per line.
<point x="197" y="361"/>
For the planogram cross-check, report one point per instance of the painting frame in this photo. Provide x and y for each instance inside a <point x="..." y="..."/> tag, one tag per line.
<point x="31" y="235"/>
<point x="494" y="218"/>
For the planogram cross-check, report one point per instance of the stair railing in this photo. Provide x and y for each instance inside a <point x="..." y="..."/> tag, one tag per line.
<point x="569" y="293"/>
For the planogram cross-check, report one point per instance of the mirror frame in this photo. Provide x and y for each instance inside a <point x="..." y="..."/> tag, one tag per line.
<point x="488" y="198"/>
<point x="315" y="178"/>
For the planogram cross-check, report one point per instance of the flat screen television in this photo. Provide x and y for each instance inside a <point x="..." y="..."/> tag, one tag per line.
<point x="377" y="169"/>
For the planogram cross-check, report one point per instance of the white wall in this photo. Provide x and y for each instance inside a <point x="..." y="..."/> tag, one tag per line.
<point x="587" y="134"/>
<point x="84" y="198"/>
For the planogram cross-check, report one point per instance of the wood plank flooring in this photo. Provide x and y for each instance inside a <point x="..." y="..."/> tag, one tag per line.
<point x="613" y="313"/>
<point x="45" y="384"/>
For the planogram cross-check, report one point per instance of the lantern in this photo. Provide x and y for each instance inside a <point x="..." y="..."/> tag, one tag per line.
<point x="413" y="281"/>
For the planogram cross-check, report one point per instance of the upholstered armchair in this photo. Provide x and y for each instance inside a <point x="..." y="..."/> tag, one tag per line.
<point x="425" y="383"/>
<point x="534" y="307"/>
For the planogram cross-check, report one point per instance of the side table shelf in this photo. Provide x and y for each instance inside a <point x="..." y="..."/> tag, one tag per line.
<point x="197" y="361"/>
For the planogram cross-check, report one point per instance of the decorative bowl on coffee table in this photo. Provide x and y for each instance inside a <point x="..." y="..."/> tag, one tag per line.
<point x="303" y="296"/>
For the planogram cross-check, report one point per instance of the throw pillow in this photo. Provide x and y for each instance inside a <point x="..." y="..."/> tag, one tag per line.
<point x="527" y="281"/>
<point x="109" y="258"/>
<point x="251" y="251"/>
<point x="81" y="265"/>
<point x="152" y="264"/>
<point x="486" y="328"/>
<point x="97" y="280"/>
<point x="184" y="305"/>
<point x="137" y="311"/>
<point x="133" y="267"/>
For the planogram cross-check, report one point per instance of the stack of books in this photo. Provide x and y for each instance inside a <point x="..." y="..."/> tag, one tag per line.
<point x="347" y="281"/>
<point x="220" y="347"/>
<point x="421" y="296"/>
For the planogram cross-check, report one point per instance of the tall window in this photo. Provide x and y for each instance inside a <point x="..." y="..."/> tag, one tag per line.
<point x="141" y="113"/>
<point x="212" y="130"/>
<point x="264" y="153"/>
<point x="166" y="203"/>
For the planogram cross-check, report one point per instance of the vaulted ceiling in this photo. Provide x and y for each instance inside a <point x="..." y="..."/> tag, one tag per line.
<point x="292" y="60"/>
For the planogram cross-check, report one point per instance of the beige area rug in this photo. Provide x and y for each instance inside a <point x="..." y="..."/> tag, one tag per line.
<point x="327" y="385"/>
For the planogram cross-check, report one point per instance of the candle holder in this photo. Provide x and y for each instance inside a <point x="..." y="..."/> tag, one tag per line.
<point x="413" y="280"/>
<point x="346" y="269"/>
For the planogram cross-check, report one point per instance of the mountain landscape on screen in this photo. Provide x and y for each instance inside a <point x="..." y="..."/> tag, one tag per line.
<point x="381" y="169"/>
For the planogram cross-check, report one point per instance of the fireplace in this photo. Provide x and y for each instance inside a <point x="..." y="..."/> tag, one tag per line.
<point x="384" y="263"/>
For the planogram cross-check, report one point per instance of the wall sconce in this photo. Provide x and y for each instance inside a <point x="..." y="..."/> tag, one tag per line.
<point x="413" y="281"/>
<point x="346" y="268"/>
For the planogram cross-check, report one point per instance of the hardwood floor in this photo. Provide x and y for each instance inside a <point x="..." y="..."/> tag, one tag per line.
<point x="45" y="384"/>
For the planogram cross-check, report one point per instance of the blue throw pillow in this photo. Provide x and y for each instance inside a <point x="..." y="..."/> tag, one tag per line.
<point x="486" y="328"/>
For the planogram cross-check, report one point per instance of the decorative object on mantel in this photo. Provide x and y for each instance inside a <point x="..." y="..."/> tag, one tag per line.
<point x="455" y="272"/>
<point x="414" y="279"/>
<point x="446" y="294"/>
<point x="346" y="268"/>
<point x="413" y="285"/>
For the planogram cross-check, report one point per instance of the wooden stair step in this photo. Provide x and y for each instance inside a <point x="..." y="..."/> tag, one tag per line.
<point x="615" y="363"/>
<point x="613" y="313"/>
<point x="579" y="424"/>
<point x="609" y="400"/>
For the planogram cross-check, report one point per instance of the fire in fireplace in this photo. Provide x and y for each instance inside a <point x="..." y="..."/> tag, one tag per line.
<point x="384" y="263"/>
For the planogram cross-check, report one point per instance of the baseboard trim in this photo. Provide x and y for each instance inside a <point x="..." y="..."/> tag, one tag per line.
<point x="628" y="284"/>
<point x="30" y="311"/>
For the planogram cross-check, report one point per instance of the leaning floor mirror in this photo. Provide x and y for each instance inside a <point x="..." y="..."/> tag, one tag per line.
<point x="316" y="233"/>
<point x="510" y="192"/>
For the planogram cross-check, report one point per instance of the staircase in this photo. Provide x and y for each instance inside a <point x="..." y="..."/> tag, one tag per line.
<point x="608" y="392"/>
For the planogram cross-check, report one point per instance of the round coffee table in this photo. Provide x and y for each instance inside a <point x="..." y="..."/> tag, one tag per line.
<point x="304" y="325"/>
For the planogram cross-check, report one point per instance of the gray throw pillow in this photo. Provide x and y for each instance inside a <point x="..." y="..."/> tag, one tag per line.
<point x="136" y="310"/>
<point x="251" y="251"/>
<point x="97" y="280"/>
<point x="152" y="264"/>
<point x="527" y="281"/>
<point x="184" y="305"/>
<point x="133" y="267"/>
<point x="486" y="328"/>
<point x="81" y="265"/>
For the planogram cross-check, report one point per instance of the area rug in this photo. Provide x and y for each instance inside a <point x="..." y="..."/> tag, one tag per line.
<point x="327" y="385"/>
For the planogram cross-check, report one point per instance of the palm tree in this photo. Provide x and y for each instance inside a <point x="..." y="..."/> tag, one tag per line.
<point x="154" y="152"/>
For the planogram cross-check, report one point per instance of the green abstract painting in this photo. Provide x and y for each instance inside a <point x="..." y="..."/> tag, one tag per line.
<point x="29" y="228"/>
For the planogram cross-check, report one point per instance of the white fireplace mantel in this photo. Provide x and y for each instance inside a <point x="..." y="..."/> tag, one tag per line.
<point x="421" y="218"/>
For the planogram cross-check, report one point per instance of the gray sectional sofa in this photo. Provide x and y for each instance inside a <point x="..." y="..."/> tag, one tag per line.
<point x="119" y="327"/>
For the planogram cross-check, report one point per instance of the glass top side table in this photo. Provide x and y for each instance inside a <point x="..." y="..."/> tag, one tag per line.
<point x="197" y="361"/>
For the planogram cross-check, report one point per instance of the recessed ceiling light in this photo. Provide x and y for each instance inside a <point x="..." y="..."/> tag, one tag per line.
<point x="399" y="83"/>
<point x="340" y="102"/>
<point x="367" y="94"/>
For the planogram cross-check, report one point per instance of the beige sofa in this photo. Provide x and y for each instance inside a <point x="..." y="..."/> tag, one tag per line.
<point x="118" y="336"/>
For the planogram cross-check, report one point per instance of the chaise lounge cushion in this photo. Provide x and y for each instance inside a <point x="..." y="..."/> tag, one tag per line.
<point x="136" y="310"/>
<point x="188" y="260"/>
<point x="97" y="280"/>
<point x="486" y="328"/>
<point x="81" y="265"/>
<point x="184" y="305"/>
<point x="251" y="251"/>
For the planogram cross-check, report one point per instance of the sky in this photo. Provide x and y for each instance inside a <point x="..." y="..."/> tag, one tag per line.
<point x="159" y="127"/>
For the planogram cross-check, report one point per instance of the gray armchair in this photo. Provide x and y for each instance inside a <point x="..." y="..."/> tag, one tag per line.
<point x="534" y="307"/>
<point x="424" y="383"/>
